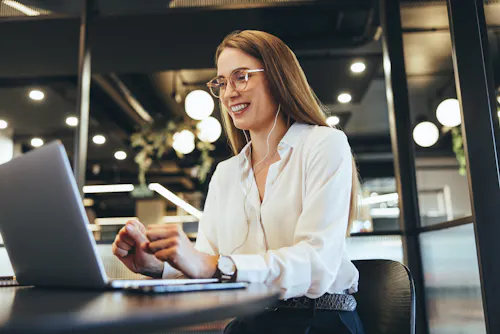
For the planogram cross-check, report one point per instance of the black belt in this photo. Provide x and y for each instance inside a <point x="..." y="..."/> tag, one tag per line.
<point x="332" y="302"/>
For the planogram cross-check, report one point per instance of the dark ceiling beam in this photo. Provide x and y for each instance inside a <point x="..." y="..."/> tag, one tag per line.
<point x="118" y="98"/>
<point x="49" y="46"/>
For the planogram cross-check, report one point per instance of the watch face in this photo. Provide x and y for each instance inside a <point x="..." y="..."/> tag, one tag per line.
<point x="226" y="265"/>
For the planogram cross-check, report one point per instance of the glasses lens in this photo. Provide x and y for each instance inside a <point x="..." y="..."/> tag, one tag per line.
<point x="239" y="79"/>
<point x="216" y="85"/>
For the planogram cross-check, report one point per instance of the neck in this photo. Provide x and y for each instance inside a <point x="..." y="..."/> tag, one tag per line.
<point x="259" y="139"/>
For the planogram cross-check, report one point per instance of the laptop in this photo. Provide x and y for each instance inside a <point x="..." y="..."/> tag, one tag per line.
<point x="46" y="231"/>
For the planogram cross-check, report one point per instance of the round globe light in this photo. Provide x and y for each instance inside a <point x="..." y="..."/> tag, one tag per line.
<point x="448" y="113"/>
<point x="425" y="134"/>
<point x="209" y="130"/>
<point x="72" y="121"/>
<point x="36" y="142"/>
<point x="199" y="104"/>
<point x="184" y="142"/>
<point x="36" y="95"/>
<point x="3" y="124"/>
<point x="344" y="98"/>
<point x="120" y="155"/>
<point x="333" y="120"/>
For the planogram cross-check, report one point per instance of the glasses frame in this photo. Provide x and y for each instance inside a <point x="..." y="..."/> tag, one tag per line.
<point x="248" y="71"/>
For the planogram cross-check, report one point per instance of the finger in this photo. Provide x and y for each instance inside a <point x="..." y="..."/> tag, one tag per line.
<point x="145" y="247"/>
<point x="156" y="246"/>
<point x="134" y="233"/>
<point x="162" y="233"/>
<point x="138" y="225"/>
<point x="120" y="243"/>
<point x="168" y="255"/>
<point x="125" y="237"/>
<point x="119" y="252"/>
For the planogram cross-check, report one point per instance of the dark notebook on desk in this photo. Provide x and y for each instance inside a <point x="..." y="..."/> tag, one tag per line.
<point x="45" y="228"/>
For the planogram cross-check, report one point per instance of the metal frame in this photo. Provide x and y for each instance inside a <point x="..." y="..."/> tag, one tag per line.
<point x="83" y="97"/>
<point x="480" y="129"/>
<point x="402" y="145"/>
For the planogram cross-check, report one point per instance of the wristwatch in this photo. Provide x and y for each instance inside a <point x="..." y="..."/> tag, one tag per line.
<point x="226" y="269"/>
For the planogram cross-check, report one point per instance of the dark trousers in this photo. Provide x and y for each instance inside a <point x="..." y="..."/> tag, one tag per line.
<point x="293" y="321"/>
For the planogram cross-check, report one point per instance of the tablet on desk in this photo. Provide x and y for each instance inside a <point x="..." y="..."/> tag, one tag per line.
<point x="189" y="287"/>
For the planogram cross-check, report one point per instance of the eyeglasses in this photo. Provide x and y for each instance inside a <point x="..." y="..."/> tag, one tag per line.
<point x="238" y="80"/>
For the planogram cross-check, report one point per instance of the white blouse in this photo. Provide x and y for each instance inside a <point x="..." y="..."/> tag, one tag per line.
<point x="303" y="216"/>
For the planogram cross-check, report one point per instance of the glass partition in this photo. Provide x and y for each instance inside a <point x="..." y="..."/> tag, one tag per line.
<point x="452" y="284"/>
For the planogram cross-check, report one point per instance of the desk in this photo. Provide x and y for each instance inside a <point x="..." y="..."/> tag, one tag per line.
<point x="35" y="310"/>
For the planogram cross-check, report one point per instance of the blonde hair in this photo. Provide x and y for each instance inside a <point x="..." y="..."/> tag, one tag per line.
<point x="288" y="85"/>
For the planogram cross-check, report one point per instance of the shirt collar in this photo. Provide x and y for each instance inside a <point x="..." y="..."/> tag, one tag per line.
<point x="291" y="138"/>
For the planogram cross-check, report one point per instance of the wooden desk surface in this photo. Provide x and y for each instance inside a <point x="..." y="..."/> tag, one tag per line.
<point x="34" y="310"/>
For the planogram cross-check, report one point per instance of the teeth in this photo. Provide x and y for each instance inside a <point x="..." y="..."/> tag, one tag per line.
<point x="239" y="107"/>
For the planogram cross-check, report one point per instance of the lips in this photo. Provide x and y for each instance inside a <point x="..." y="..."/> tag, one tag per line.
<point x="239" y="111"/>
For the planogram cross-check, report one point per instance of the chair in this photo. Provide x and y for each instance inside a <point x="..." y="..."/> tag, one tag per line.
<point x="386" y="297"/>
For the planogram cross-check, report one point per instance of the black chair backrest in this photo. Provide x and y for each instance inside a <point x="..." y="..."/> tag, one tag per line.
<point x="386" y="297"/>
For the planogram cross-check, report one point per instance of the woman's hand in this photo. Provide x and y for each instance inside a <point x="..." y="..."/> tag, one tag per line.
<point x="169" y="243"/>
<point x="127" y="248"/>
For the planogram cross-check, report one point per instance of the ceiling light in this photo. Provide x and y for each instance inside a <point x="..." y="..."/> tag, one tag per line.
<point x="333" y="120"/>
<point x="199" y="104"/>
<point x="72" y="121"/>
<point x="36" y="95"/>
<point x="209" y="130"/>
<point x="498" y="99"/>
<point x="184" y="142"/>
<point x="425" y="134"/>
<point x="120" y="155"/>
<point x="108" y="188"/>
<point x="99" y="139"/>
<point x="20" y="7"/>
<point x="175" y="199"/>
<point x="344" y="98"/>
<point x="358" y="67"/>
<point x="3" y="124"/>
<point x="448" y="113"/>
<point x="36" y="142"/>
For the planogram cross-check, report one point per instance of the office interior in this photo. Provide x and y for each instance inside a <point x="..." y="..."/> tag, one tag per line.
<point x="155" y="136"/>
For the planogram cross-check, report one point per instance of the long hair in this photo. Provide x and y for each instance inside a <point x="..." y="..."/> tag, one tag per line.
<point x="289" y="87"/>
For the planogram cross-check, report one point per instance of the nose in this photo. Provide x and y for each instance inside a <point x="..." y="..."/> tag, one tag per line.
<point x="229" y="92"/>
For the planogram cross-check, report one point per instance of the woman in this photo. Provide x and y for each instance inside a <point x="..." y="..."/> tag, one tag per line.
<point x="278" y="211"/>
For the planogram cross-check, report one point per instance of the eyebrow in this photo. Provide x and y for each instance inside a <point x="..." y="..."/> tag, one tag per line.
<point x="239" y="68"/>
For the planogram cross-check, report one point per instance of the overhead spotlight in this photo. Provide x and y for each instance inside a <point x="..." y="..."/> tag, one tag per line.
<point x="333" y="120"/>
<point x="120" y="155"/>
<point x="199" y="104"/>
<point x="448" y="113"/>
<point x="358" y="67"/>
<point x="99" y="139"/>
<point x="3" y="124"/>
<point x="36" y="142"/>
<point x="425" y="134"/>
<point x="72" y="121"/>
<point x="344" y="98"/>
<point x="36" y="95"/>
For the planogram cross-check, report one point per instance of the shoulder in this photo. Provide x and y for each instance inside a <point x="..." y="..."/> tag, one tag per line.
<point x="324" y="139"/>
<point x="224" y="169"/>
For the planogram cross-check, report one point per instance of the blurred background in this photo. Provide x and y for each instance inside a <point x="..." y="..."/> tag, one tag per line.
<point x="153" y="120"/>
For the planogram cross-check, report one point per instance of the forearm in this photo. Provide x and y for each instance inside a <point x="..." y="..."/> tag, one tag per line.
<point x="208" y="265"/>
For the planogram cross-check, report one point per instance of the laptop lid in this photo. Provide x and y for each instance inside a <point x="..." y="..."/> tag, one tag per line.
<point x="43" y="222"/>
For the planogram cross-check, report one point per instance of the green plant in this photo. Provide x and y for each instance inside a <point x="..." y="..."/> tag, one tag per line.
<point x="154" y="143"/>
<point x="458" y="148"/>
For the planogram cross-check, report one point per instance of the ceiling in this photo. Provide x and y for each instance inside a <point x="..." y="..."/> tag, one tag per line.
<point x="161" y="50"/>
